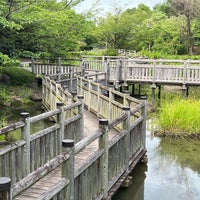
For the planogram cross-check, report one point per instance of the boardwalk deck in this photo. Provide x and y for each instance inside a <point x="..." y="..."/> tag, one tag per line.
<point x="54" y="178"/>
<point x="85" y="154"/>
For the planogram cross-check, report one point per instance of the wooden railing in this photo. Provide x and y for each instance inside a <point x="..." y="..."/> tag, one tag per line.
<point x="111" y="161"/>
<point x="51" y="69"/>
<point x="125" y="114"/>
<point x="182" y="72"/>
<point x="32" y="157"/>
<point x="37" y="150"/>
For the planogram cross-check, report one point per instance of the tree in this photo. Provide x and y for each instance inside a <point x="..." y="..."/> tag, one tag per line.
<point x="190" y="9"/>
<point x="115" y="30"/>
<point x="43" y="27"/>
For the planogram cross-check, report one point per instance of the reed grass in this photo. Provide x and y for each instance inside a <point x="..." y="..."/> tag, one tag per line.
<point x="180" y="117"/>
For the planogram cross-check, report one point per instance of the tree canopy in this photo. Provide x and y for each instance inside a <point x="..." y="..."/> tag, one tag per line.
<point x="53" y="28"/>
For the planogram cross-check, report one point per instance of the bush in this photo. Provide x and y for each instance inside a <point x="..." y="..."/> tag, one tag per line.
<point x="17" y="76"/>
<point x="110" y="52"/>
<point x="5" y="61"/>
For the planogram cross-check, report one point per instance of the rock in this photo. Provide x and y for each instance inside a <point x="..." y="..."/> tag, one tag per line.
<point x="36" y="97"/>
<point x="16" y="101"/>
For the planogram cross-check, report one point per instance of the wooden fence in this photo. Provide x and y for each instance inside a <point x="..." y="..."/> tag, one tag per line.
<point x="112" y="158"/>
<point x="24" y="160"/>
<point x="162" y="71"/>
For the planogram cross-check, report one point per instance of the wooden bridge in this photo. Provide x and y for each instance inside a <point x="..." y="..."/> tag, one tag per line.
<point x="122" y="72"/>
<point x="97" y="138"/>
<point x="98" y="134"/>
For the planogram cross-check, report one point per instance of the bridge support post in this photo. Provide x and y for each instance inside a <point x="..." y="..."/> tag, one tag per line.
<point x="103" y="144"/>
<point x="133" y="90"/>
<point x="26" y="136"/>
<point x="5" y="188"/>
<point x="185" y="91"/>
<point x="159" y="91"/>
<point x="68" y="166"/>
<point x="153" y="88"/>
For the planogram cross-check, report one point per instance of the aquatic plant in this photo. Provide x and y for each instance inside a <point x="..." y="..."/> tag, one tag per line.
<point x="180" y="117"/>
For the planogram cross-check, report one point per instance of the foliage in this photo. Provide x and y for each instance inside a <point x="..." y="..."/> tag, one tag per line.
<point x="47" y="28"/>
<point x="17" y="76"/>
<point x="180" y="116"/>
<point x="110" y="52"/>
<point x="5" y="61"/>
<point x="52" y="28"/>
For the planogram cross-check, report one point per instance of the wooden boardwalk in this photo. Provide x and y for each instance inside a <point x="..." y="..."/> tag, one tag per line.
<point x="52" y="179"/>
<point x="97" y="139"/>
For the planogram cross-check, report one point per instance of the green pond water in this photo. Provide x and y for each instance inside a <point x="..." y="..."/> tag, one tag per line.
<point x="172" y="172"/>
<point x="12" y="114"/>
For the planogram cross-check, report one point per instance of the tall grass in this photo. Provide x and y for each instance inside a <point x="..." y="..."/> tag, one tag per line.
<point x="180" y="117"/>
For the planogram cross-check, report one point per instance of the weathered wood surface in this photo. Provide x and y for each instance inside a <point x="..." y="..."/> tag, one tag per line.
<point x="104" y="149"/>
<point x="54" y="178"/>
<point x="151" y="71"/>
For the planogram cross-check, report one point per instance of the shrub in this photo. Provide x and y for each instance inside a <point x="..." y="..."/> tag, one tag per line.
<point x="110" y="52"/>
<point x="5" y="61"/>
<point x="17" y="76"/>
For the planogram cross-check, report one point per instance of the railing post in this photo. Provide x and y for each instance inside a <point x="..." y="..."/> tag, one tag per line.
<point x="83" y="68"/>
<point x="96" y="76"/>
<point x="89" y="93"/>
<point x="111" y="98"/>
<point x="5" y="188"/>
<point x="154" y="72"/>
<point x="81" y="112"/>
<point x="103" y="144"/>
<point x="60" y="119"/>
<point x="25" y="132"/>
<point x="144" y="114"/>
<point x="68" y="166"/>
<point x="126" y="94"/>
<point x="184" y="88"/>
<point x="125" y="71"/>
<point x="98" y="100"/>
<point x="153" y="88"/>
<point x="71" y="80"/>
<point x="107" y="72"/>
<point x="32" y="66"/>
<point x="119" y="73"/>
<point x="126" y="126"/>
<point x="59" y="64"/>
<point x="80" y="85"/>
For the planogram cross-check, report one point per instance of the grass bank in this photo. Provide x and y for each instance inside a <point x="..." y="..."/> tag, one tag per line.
<point x="179" y="118"/>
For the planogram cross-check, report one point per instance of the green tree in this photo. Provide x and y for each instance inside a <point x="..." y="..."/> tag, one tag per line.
<point x="114" y="30"/>
<point x="190" y="9"/>
<point x="43" y="27"/>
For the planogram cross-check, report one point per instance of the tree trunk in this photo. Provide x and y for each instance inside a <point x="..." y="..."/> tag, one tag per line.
<point x="190" y="34"/>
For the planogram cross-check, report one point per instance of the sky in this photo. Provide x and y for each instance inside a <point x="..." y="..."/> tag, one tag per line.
<point x="108" y="5"/>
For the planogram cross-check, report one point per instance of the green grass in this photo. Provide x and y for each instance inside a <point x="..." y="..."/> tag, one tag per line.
<point x="180" y="117"/>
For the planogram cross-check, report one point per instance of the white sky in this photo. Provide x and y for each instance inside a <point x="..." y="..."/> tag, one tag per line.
<point x="106" y="5"/>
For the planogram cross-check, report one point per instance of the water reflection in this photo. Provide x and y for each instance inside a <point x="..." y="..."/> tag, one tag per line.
<point x="173" y="172"/>
<point x="137" y="188"/>
<point x="12" y="114"/>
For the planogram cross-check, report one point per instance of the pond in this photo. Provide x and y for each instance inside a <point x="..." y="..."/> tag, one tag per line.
<point x="172" y="172"/>
<point x="10" y="115"/>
